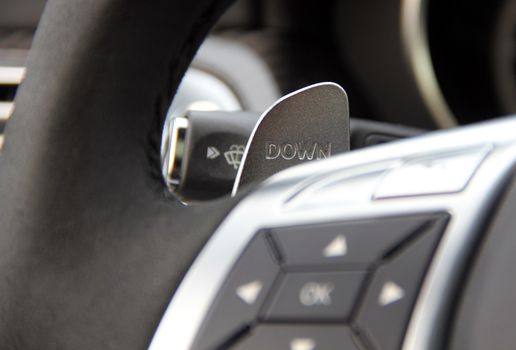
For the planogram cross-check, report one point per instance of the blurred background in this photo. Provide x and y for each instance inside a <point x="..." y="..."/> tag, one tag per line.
<point x="423" y="63"/>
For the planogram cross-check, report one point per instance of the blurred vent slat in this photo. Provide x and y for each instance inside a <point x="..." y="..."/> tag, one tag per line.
<point x="6" y="108"/>
<point x="10" y="79"/>
<point x="11" y="75"/>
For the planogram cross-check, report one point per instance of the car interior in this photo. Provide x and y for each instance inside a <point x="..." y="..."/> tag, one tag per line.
<point x="257" y="174"/>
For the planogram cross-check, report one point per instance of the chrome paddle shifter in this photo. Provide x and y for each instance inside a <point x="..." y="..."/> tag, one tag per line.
<point x="306" y="125"/>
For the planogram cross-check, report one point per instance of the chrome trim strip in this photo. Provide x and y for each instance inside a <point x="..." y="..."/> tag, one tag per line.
<point x="171" y="171"/>
<point x="415" y="41"/>
<point x="269" y="206"/>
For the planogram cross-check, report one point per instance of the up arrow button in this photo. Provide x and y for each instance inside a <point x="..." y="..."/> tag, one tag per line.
<point x="302" y="344"/>
<point x="337" y="247"/>
<point x="361" y="243"/>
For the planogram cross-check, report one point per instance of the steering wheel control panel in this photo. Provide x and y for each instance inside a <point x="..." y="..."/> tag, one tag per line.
<point x="325" y="286"/>
<point x="364" y="250"/>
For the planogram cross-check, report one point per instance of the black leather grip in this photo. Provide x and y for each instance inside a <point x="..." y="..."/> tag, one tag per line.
<point x="90" y="248"/>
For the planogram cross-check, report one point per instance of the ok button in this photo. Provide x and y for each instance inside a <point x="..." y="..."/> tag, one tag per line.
<point x="314" y="293"/>
<point x="315" y="296"/>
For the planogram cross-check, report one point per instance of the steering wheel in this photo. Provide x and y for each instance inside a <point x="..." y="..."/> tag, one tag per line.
<point x="92" y="250"/>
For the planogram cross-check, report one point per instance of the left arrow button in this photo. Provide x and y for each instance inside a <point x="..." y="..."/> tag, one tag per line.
<point x="249" y="292"/>
<point x="237" y="304"/>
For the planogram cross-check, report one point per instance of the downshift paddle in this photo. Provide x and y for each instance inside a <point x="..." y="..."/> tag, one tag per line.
<point x="306" y="125"/>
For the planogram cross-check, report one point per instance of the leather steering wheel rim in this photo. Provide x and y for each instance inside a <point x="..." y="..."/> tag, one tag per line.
<point x="91" y="247"/>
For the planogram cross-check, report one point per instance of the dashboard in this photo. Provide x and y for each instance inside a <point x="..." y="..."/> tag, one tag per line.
<point x="453" y="63"/>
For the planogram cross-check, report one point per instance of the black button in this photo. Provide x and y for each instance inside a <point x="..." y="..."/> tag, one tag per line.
<point x="297" y="337"/>
<point x="239" y="300"/>
<point x="315" y="296"/>
<point x="386" y="308"/>
<point x="359" y="243"/>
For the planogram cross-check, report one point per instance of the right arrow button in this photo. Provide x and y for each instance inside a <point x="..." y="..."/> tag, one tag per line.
<point x="390" y="297"/>
<point x="391" y="293"/>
